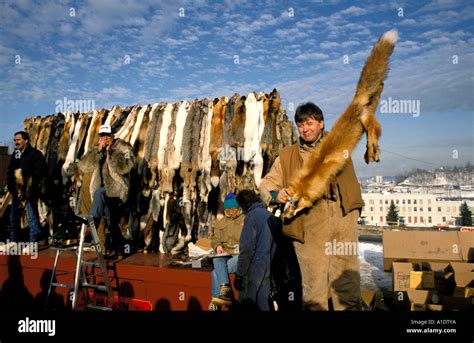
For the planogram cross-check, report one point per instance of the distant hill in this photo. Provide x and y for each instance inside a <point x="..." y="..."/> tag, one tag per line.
<point x="456" y="176"/>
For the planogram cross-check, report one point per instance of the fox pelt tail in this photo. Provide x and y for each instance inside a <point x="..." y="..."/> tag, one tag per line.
<point x="331" y="155"/>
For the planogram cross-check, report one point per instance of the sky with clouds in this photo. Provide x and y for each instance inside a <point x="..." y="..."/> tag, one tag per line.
<point x="129" y="52"/>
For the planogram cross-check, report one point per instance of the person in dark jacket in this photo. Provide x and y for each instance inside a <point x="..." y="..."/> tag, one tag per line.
<point x="26" y="172"/>
<point x="257" y="247"/>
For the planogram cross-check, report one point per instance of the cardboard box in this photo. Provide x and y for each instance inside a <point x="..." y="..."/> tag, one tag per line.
<point x="422" y="279"/>
<point x="463" y="274"/>
<point x="444" y="282"/>
<point x="368" y="297"/>
<point x="401" y="275"/>
<point x="432" y="307"/>
<point x="417" y="307"/>
<point x="419" y="246"/>
<point x="466" y="242"/>
<point x="418" y="296"/>
<point x="435" y="266"/>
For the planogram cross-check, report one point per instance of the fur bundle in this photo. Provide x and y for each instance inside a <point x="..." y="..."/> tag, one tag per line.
<point x="331" y="155"/>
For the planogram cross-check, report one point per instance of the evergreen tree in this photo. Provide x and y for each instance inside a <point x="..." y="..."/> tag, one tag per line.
<point x="392" y="215"/>
<point x="466" y="215"/>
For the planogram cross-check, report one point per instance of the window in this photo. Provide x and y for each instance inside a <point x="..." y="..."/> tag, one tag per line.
<point x="414" y="201"/>
<point x="409" y="201"/>
<point x="403" y="209"/>
<point x="421" y="220"/>
<point x="421" y="209"/>
<point x="415" y="219"/>
<point x="429" y="201"/>
<point x="429" y="220"/>
<point x="414" y="209"/>
<point x="403" y="201"/>
<point x="381" y="219"/>
<point x="409" y="208"/>
<point x="409" y="219"/>
<point x="429" y="209"/>
<point x="372" y="218"/>
<point x="386" y="202"/>
<point x="380" y="202"/>
<point x="371" y="209"/>
<point x="381" y="209"/>
<point x="421" y="201"/>
<point x="444" y="219"/>
<point x="397" y="202"/>
<point x="439" y="209"/>
<point x="371" y="202"/>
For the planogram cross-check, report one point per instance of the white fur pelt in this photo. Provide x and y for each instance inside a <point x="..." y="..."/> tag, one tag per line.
<point x="138" y="124"/>
<point x="175" y="162"/>
<point x="70" y="157"/>
<point x="254" y="126"/>
<point x="129" y="123"/>
<point x="164" y="135"/>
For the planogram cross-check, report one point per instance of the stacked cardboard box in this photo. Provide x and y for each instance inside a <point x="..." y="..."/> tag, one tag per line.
<point x="431" y="270"/>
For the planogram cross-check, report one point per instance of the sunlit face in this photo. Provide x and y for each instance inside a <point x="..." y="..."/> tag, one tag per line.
<point x="20" y="142"/>
<point x="310" y="129"/>
<point x="106" y="140"/>
<point x="232" y="212"/>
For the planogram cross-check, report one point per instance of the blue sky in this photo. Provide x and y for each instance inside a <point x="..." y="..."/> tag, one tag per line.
<point x="183" y="50"/>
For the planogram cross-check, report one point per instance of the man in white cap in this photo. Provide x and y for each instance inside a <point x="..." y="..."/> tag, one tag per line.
<point x="110" y="164"/>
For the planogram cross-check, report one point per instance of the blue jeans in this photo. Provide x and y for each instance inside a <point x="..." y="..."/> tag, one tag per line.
<point x="110" y="208"/>
<point x="220" y="275"/>
<point x="33" y="219"/>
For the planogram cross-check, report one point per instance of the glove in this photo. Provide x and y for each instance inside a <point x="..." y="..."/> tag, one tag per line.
<point x="238" y="280"/>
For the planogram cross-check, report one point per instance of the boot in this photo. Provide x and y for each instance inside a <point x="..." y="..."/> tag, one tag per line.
<point x="225" y="296"/>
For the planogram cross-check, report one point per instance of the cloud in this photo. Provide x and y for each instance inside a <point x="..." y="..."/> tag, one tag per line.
<point x="439" y="5"/>
<point x="35" y="92"/>
<point x="311" y="56"/>
<point x="353" y="11"/>
<point x="290" y="34"/>
<point x="408" y="22"/>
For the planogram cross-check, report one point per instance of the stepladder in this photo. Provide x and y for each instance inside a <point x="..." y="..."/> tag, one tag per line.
<point x="87" y="272"/>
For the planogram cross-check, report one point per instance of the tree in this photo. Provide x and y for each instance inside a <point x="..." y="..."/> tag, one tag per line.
<point x="392" y="215"/>
<point x="466" y="215"/>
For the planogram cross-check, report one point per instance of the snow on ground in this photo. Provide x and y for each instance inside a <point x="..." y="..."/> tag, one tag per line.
<point x="372" y="276"/>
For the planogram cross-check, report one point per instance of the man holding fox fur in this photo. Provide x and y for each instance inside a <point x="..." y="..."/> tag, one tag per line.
<point x="316" y="181"/>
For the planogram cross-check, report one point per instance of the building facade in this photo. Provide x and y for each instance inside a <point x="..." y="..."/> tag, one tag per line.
<point x="414" y="209"/>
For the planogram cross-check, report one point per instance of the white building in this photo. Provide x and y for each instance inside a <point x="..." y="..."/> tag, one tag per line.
<point x="415" y="209"/>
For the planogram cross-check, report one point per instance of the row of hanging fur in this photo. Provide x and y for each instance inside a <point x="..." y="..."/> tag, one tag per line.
<point x="189" y="156"/>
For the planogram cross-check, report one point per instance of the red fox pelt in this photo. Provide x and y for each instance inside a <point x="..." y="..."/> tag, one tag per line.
<point x="331" y="155"/>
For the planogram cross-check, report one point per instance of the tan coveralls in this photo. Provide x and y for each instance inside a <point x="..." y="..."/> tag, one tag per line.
<point x="326" y="236"/>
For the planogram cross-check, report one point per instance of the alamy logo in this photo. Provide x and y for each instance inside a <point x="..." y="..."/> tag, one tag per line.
<point x="79" y="105"/>
<point x="37" y="326"/>
<point x="335" y="248"/>
<point x="404" y="106"/>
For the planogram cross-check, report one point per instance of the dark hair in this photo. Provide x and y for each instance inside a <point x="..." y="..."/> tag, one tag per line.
<point x="247" y="198"/>
<point x="24" y="135"/>
<point x="308" y="110"/>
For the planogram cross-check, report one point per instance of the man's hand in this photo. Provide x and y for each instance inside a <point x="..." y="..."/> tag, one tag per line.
<point x="238" y="283"/>
<point x="220" y="249"/>
<point x="101" y="145"/>
<point x="283" y="195"/>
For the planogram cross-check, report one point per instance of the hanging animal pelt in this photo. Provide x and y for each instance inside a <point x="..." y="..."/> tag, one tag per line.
<point x="332" y="154"/>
